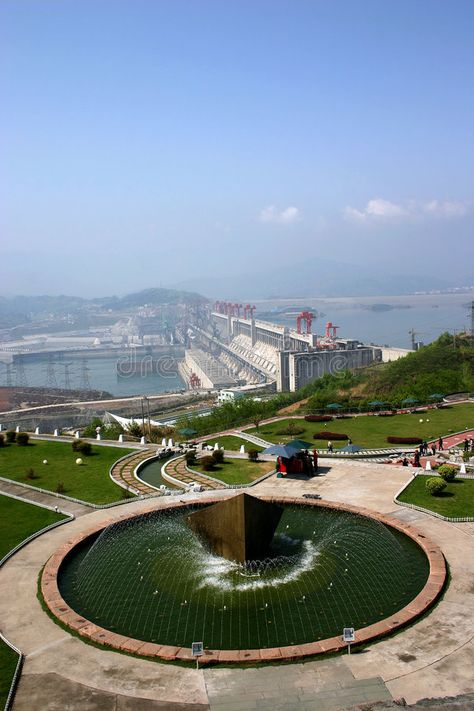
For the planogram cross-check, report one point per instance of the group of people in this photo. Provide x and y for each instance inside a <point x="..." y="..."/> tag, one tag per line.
<point x="427" y="449"/>
<point x="469" y="445"/>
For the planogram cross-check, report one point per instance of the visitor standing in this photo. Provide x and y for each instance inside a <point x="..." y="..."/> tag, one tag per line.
<point x="330" y="447"/>
<point x="440" y="444"/>
<point x="416" y="459"/>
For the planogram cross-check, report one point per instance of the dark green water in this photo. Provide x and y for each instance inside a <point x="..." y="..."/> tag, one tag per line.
<point x="151" y="579"/>
<point x="150" y="473"/>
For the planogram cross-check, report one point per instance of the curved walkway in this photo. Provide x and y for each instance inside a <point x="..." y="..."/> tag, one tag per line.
<point x="122" y="472"/>
<point x="29" y="494"/>
<point x="177" y="469"/>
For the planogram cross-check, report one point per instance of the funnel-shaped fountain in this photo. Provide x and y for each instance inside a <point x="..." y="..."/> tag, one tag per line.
<point x="239" y="529"/>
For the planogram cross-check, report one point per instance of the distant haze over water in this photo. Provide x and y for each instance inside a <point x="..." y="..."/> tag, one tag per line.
<point x="428" y="314"/>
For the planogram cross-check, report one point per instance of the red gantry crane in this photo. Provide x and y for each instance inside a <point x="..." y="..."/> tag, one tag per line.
<point x="306" y="316"/>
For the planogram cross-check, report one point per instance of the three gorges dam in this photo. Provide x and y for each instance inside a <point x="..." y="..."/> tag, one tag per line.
<point x="232" y="349"/>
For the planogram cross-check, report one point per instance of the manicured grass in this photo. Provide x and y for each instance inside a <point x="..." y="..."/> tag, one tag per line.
<point x="237" y="471"/>
<point x="233" y="443"/>
<point x="17" y="521"/>
<point x="89" y="482"/>
<point x="372" y="431"/>
<point x="457" y="500"/>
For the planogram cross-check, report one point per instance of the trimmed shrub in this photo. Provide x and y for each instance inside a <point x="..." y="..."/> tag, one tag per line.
<point x="208" y="463"/>
<point x="82" y="447"/>
<point x="435" y="485"/>
<point x="291" y="429"/>
<point x="22" y="438"/>
<point x="31" y="474"/>
<point x="60" y="488"/>
<point x="318" y="418"/>
<point x="330" y="435"/>
<point x="190" y="457"/>
<point x="2" y="440"/>
<point x="218" y="456"/>
<point x="404" y="440"/>
<point x="447" y="472"/>
<point x="253" y="455"/>
<point x="11" y="436"/>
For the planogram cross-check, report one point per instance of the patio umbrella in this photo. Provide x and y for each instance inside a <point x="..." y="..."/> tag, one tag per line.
<point x="351" y="448"/>
<point x="377" y="403"/>
<point x="333" y="406"/>
<point x="409" y="401"/>
<point x="281" y="450"/>
<point x="299" y="444"/>
<point x="187" y="432"/>
<point x="436" y="396"/>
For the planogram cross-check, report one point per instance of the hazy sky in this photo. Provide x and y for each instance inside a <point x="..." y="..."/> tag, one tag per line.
<point x="144" y="142"/>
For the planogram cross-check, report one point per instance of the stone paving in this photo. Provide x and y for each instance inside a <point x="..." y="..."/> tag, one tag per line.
<point x="38" y="497"/>
<point x="432" y="658"/>
<point x="122" y="472"/>
<point x="177" y="469"/>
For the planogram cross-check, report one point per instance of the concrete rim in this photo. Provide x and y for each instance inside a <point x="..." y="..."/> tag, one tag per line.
<point x="418" y="606"/>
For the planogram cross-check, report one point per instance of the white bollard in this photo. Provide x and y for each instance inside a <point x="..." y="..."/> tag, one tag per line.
<point x="142" y="440"/>
<point x="216" y="446"/>
<point x="37" y="430"/>
<point x="170" y="442"/>
<point x="56" y="433"/>
<point x="98" y="435"/>
<point x="77" y="434"/>
<point x="242" y="449"/>
<point x="120" y="438"/>
<point x="428" y="466"/>
<point x="1" y="427"/>
<point x="462" y="469"/>
<point x="17" y="428"/>
<point x="163" y="442"/>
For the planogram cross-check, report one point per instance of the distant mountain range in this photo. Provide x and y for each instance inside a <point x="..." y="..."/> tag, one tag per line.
<point x="316" y="277"/>
<point x="22" y="309"/>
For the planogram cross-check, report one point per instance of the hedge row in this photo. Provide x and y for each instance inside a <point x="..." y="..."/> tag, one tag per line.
<point x="404" y="440"/>
<point x="330" y="435"/>
<point x="318" y="418"/>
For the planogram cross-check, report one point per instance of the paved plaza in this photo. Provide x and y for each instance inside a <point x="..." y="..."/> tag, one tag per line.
<point x="432" y="658"/>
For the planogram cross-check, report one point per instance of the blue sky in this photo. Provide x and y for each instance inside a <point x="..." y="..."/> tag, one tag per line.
<point x="147" y="141"/>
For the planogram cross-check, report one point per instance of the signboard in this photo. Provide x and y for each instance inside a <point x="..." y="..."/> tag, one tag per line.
<point x="348" y="634"/>
<point x="197" y="649"/>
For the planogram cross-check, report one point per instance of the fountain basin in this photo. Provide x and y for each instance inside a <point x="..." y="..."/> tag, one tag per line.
<point x="321" y="578"/>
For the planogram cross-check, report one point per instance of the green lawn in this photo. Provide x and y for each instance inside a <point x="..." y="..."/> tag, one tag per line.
<point x="237" y="471"/>
<point x="457" y="500"/>
<point x="372" y="431"/>
<point x="89" y="482"/>
<point x="233" y="443"/>
<point x="17" y="521"/>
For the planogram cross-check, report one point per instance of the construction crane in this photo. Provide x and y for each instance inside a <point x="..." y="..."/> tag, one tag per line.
<point x="306" y="316"/>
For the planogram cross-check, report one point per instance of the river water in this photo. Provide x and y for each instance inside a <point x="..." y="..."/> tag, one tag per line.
<point x="428" y="314"/>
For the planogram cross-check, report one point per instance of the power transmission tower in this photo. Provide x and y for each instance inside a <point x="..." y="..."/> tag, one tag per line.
<point x="9" y="379"/>
<point x="21" y="381"/>
<point x="412" y="333"/>
<point x="472" y="323"/>
<point x="51" y="381"/>
<point x="67" y="375"/>
<point x="84" y="382"/>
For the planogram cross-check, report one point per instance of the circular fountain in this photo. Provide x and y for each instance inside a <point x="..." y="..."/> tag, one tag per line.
<point x="149" y="584"/>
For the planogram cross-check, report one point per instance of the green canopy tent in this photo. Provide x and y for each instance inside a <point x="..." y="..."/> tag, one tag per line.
<point x="409" y="401"/>
<point x="187" y="432"/>
<point x="334" y="406"/>
<point x="436" y="396"/>
<point x="377" y="403"/>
